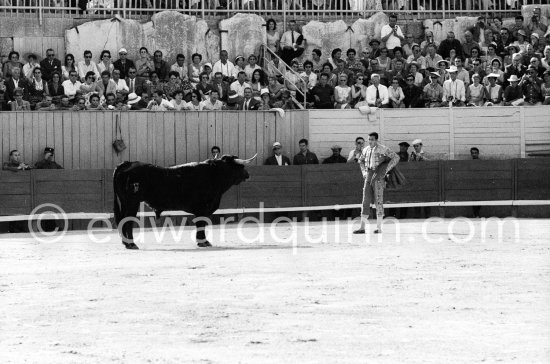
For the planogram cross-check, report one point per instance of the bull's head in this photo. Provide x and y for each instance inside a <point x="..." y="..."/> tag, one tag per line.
<point x="238" y="172"/>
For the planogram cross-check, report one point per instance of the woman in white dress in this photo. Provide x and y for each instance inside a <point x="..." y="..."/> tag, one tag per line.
<point x="272" y="35"/>
<point x="105" y="64"/>
<point x="476" y="92"/>
<point x="178" y="102"/>
<point x="195" y="69"/>
<point x="195" y="102"/>
<point x="342" y="93"/>
<point x="144" y="65"/>
<point x="69" y="66"/>
<point x="384" y="62"/>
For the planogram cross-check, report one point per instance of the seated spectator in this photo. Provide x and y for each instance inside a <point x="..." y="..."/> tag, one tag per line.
<point x="316" y="60"/>
<point x="304" y="156"/>
<point x="195" y="103"/>
<point x="69" y="66"/>
<point x="418" y="79"/>
<point x="521" y="41"/>
<point x="475" y="56"/>
<point x="531" y="87"/>
<point x="251" y="67"/>
<point x="342" y="93"/>
<point x="462" y="74"/>
<point x="240" y="63"/>
<point x="275" y="89"/>
<point x="293" y="81"/>
<point x="224" y="66"/>
<point x="432" y="58"/>
<point x="332" y="77"/>
<point x="513" y="95"/>
<point x="135" y="84"/>
<point x="412" y="94"/>
<point x="545" y="61"/>
<point x="286" y="102"/>
<point x="353" y="64"/>
<point x="403" y="152"/>
<point x="88" y="88"/>
<point x="94" y="103"/>
<point x="450" y="43"/>
<point x="240" y="85"/>
<point x="106" y="85"/>
<point x="275" y="69"/>
<point x="47" y="162"/>
<point x="65" y="104"/>
<point x="375" y="48"/>
<point x="123" y="64"/>
<point x="476" y="92"/>
<point x="11" y="63"/>
<point x="80" y="105"/>
<point x="110" y="102"/>
<point x="454" y="91"/>
<point x="417" y="155"/>
<point x="535" y="63"/>
<point x="398" y="72"/>
<point x="133" y="102"/>
<point x="407" y="47"/>
<point x="266" y="100"/>
<point x="208" y="70"/>
<point x="377" y="94"/>
<point x="18" y="104"/>
<point x="277" y="159"/>
<point x="38" y="89"/>
<point x="144" y="65"/>
<point x="158" y="103"/>
<point x="493" y="91"/>
<point x="323" y="93"/>
<point x="308" y="76"/>
<point x="232" y="101"/>
<point x="162" y="68"/>
<point x="429" y="41"/>
<point x="249" y="103"/>
<point x="195" y="69"/>
<point x="86" y="66"/>
<point x="177" y="100"/>
<point x="30" y="66"/>
<point x="212" y="103"/>
<point x="492" y="54"/>
<point x="335" y="157"/>
<point x="442" y="67"/>
<point x="219" y="84"/>
<point x="50" y="64"/>
<point x="354" y="154"/>
<point x="292" y="43"/>
<point x="179" y="67"/>
<point x="204" y="87"/>
<point x="154" y="83"/>
<point x="398" y="55"/>
<point x="416" y="58"/>
<point x="384" y="62"/>
<point x="489" y="38"/>
<point x="15" y="163"/>
<point x="433" y="92"/>
<point x="358" y="90"/>
<point x="105" y="63"/>
<point x="395" y="93"/>
<point x="215" y="152"/>
<point x="469" y="44"/>
<point x="122" y="89"/>
<point x="16" y="82"/>
<point x="257" y="83"/>
<point x="495" y="68"/>
<point x="545" y="88"/>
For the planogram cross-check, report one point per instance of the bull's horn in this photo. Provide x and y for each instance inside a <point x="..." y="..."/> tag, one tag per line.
<point x="245" y="161"/>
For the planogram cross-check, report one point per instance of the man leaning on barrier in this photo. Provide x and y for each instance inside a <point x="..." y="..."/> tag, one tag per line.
<point x="376" y="161"/>
<point x="15" y="164"/>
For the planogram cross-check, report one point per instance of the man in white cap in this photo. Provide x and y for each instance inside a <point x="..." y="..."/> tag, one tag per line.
<point x="417" y="155"/>
<point x="277" y="159"/>
<point x="493" y="90"/>
<point x="224" y="66"/>
<point x="377" y="94"/>
<point x="433" y="91"/>
<point x="513" y="96"/>
<point x="454" y="91"/>
<point x="122" y="63"/>
<point x="336" y="157"/>
<point x="374" y="171"/>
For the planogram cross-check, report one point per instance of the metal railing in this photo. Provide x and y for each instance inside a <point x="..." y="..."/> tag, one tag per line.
<point x="299" y="9"/>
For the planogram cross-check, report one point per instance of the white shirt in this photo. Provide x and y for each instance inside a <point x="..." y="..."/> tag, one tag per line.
<point x="396" y="95"/>
<point x="286" y="39"/>
<point x="237" y="87"/>
<point x="181" y="70"/>
<point x="225" y="68"/>
<point x="311" y="80"/>
<point x="28" y="70"/>
<point x="121" y="85"/>
<point x="129" y="84"/>
<point x="354" y="153"/>
<point x="208" y="105"/>
<point x="249" y="70"/>
<point x="71" y="88"/>
<point x="165" y="105"/>
<point x="392" y="41"/>
<point x="383" y="94"/>
<point x="279" y="159"/>
<point x="455" y="89"/>
<point x="83" y="69"/>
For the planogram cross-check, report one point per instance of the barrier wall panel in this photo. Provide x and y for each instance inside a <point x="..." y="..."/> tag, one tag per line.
<point x="533" y="179"/>
<point x="537" y="130"/>
<point x="273" y="186"/>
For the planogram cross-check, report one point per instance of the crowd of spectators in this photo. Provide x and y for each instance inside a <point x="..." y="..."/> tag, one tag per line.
<point x="493" y="66"/>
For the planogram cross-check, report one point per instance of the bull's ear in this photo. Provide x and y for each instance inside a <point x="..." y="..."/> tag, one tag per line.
<point x="228" y="158"/>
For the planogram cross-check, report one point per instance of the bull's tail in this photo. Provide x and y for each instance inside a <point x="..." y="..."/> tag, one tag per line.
<point x="118" y="188"/>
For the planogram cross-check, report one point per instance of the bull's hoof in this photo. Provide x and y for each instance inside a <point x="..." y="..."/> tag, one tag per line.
<point x="204" y="244"/>
<point x="131" y="246"/>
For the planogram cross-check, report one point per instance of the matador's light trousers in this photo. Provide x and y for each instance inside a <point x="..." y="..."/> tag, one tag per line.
<point x="373" y="194"/>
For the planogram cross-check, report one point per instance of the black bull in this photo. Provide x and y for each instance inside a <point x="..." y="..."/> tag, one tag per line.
<point x="196" y="188"/>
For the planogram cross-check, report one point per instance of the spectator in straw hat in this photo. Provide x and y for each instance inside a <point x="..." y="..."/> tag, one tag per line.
<point x="336" y="157"/>
<point x="493" y="91"/>
<point x="418" y="154"/>
<point x="277" y="159"/>
<point x="133" y="102"/>
<point x="433" y="92"/>
<point x="265" y="98"/>
<point x="454" y="91"/>
<point x="233" y="100"/>
<point x="513" y="95"/>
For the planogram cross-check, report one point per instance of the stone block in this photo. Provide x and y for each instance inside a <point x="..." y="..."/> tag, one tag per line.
<point x="6" y="46"/>
<point x="364" y="30"/>
<point x="326" y="37"/>
<point x="242" y="34"/>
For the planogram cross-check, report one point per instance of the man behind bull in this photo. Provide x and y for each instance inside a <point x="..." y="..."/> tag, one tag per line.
<point x="374" y="170"/>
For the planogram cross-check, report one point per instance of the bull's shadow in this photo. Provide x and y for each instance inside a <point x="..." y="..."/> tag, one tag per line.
<point x="229" y="248"/>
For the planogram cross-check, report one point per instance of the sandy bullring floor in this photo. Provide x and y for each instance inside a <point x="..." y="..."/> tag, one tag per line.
<point x="347" y="299"/>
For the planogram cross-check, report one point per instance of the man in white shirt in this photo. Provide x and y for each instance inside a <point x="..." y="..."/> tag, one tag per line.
<point x="158" y="103"/>
<point x="87" y="66"/>
<point x="309" y="77"/>
<point x="392" y="34"/>
<point x="462" y="74"/>
<point x="453" y="89"/>
<point x="72" y="86"/>
<point x="28" y="68"/>
<point x="211" y="103"/>
<point x="224" y="65"/>
<point x="239" y="85"/>
<point x="180" y="67"/>
<point x="277" y="159"/>
<point x="377" y="94"/>
<point x="291" y="43"/>
<point x="354" y="154"/>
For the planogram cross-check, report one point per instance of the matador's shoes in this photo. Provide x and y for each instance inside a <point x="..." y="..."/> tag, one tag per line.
<point x="378" y="231"/>
<point x="359" y="231"/>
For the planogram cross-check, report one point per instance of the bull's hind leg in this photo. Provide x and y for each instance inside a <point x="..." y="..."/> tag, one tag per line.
<point x="127" y="227"/>
<point x="200" y="224"/>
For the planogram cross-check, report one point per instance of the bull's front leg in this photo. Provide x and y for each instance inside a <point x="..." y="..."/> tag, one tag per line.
<point x="200" y="224"/>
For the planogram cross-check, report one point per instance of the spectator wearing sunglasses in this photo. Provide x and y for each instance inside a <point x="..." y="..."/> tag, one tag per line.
<point x="49" y="65"/>
<point x="87" y="65"/>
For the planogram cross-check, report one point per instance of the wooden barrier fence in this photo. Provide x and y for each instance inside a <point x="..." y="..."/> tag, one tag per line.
<point x="295" y="186"/>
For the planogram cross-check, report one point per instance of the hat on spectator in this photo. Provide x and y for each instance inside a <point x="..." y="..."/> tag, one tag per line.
<point x="522" y="32"/>
<point x="264" y="91"/>
<point x="405" y="144"/>
<point x="49" y="150"/>
<point x="444" y="61"/>
<point x="31" y="55"/>
<point x="237" y="58"/>
<point x="374" y="74"/>
<point x="374" y="41"/>
<point x="336" y="147"/>
<point x="232" y="97"/>
<point x="513" y="78"/>
<point x="133" y="98"/>
<point x="434" y="74"/>
<point x="452" y="69"/>
<point x="415" y="63"/>
<point x="535" y="35"/>
<point x="496" y="59"/>
<point x="208" y="65"/>
<point x="514" y="47"/>
<point x="277" y="145"/>
<point x="493" y="75"/>
<point x="417" y="141"/>
<point x="123" y="50"/>
<point x="476" y="75"/>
